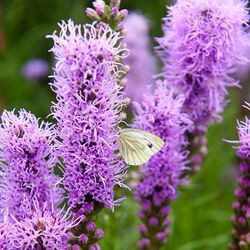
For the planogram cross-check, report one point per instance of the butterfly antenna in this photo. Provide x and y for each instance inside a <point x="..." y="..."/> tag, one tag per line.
<point x="125" y="123"/>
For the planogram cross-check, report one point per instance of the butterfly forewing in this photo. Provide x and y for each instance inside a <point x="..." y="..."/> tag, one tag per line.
<point x="137" y="146"/>
<point x="132" y="151"/>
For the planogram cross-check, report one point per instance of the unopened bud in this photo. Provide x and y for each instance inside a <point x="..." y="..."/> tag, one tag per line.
<point x="91" y="13"/>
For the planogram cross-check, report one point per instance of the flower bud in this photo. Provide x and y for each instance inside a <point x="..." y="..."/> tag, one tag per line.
<point x="95" y="247"/>
<point x="91" y="227"/>
<point x="143" y="229"/>
<point x="153" y="221"/>
<point x="83" y="238"/>
<point x="143" y="243"/>
<point x="99" y="234"/>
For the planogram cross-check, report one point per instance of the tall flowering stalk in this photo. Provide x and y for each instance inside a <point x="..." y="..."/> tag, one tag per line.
<point x="241" y="206"/>
<point x="202" y="41"/>
<point x="161" y="114"/>
<point x="140" y="60"/>
<point x="27" y="164"/>
<point x="29" y="195"/>
<point x="89" y="101"/>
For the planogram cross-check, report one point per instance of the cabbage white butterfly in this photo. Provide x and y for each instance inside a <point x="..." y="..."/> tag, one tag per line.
<point x="137" y="146"/>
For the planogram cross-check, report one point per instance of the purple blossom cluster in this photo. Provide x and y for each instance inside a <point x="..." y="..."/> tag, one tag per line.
<point x="241" y="206"/>
<point x="29" y="196"/>
<point x="27" y="163"/>
<point x="140" y="60"/>
<point x="89" y="101"/>
<point x="44" y="229"/>
<point x="161" y="114"/>
<point x="202" y="42"/>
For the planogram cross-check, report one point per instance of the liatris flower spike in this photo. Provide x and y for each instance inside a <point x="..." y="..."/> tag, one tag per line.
<point x="88" y="110"/>
<point x="141" y="62"/>
<point x="202" y="42"/>
<point x="241" y="207"/>
<point x="161" y="114"/>
<point x="27" y="163"/>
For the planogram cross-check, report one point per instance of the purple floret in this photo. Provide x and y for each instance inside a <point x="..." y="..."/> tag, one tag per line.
<point x="161" y="114"/>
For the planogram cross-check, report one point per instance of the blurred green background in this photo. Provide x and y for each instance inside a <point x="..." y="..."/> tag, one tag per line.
<point x="201" y="213"/>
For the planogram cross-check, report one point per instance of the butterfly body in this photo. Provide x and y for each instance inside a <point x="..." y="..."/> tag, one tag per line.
<point x="138" y="146"/>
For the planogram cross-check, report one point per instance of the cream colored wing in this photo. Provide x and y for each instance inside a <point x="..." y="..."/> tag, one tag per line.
<point x="137" y="146"/>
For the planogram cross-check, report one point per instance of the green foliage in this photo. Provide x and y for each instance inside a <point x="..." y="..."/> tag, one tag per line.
<point x="201" y="214"/>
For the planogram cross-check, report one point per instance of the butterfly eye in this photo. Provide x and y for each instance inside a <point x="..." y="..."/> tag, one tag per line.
<point x="150" y="145"/>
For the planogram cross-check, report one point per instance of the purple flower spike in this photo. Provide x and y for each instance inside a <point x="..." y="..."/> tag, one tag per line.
<point x="161" y="114"/>
<point x="140" y="60"/>
<point x="27" y="163"/>
<point x="240" y="219"/>
<point x="88" y="107"/>
<point x="202" y="41"/>
<point x="244" y="137"/>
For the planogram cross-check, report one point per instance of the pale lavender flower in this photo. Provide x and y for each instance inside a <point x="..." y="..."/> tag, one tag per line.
<point x="201" y="43"/>
<point x="162" y="115"/>
<point x="35" y="69"/>
<point x="44" y="228"/>
<point x="140" y="60"/>
<point x="26" y="163"/>
<point x="87" y="110"/>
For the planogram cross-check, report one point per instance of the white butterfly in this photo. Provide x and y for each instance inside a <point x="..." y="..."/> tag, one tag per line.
<point x="137" y="146"/>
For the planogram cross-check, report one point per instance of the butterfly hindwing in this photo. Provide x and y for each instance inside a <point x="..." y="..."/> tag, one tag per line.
<point x="137" y="146"/>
